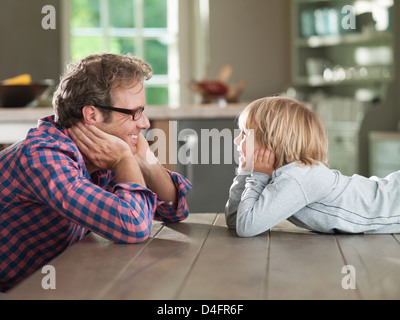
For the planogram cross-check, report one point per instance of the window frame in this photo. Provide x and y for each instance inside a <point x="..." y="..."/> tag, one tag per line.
<point x="168" y="35"/>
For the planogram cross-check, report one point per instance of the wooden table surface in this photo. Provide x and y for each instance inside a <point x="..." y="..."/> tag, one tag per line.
<point x="201" y="259"/>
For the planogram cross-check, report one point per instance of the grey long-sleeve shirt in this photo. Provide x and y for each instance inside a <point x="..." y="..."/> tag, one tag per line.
<point x="315" y="198"/>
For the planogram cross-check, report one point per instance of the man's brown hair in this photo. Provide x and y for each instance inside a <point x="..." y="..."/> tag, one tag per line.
<point x="91" y="80"/>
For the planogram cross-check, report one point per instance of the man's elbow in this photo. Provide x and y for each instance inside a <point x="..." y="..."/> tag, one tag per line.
<point x="134" y="237"/>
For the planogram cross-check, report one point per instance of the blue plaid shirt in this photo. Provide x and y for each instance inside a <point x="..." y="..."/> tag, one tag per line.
<point x="48" y="201"/>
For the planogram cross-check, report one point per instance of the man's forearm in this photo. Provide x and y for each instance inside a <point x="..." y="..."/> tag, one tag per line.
<point x="128" y="170"/>
<point x="159" y="181"/>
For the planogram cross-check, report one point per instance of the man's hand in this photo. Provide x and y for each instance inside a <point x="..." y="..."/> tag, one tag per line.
<point x="105" y="151"/>
<point x="143" y="153"/>
<point x="100" y="149"/>
<point x="264" y="161"/>
<point x="156" y="177"/>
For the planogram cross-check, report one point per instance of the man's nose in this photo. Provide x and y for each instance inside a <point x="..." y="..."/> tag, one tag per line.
<point x="143" y="123"/>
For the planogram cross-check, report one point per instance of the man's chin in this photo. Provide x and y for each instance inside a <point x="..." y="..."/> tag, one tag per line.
<point x="134" y="149"/>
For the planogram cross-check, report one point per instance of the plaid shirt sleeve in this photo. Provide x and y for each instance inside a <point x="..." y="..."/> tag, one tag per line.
<point x="170" y="212"/>
<point x="123" y="216"/>
<point x="165" y="211"/>
<point x="48" y="201"/>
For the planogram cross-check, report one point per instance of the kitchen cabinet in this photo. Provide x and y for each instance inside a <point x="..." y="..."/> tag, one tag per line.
<point x="336" y="57"/>
<point x="384" y="153"/>
<point x="342" y="65"/>
<point x="16" y="122"/>
<point x="14" y="131"/>
<point x="202" y="150"/>
<point x="343" y="145"/>
<point x="208" y="157"/>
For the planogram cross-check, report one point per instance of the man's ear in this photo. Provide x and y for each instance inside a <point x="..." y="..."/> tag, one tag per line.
<point x="91" y="115"/>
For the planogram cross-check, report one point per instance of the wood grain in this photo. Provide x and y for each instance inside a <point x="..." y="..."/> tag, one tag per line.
<point x="200" y="258"/>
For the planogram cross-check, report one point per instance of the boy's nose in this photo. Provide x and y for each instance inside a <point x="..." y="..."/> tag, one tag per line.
<point x="236" y="141"/>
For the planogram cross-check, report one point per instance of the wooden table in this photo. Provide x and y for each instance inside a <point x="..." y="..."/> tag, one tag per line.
<point x="201" y="258"/>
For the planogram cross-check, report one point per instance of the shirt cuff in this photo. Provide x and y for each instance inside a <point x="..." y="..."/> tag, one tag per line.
<point x="173" y="212"/>
<point x="259" y="178"/>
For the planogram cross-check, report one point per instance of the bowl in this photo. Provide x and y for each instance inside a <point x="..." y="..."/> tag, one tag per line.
<point x="15" y="96"/>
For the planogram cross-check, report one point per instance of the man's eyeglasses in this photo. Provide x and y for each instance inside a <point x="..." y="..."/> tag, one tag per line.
<point x="136" y="114"/>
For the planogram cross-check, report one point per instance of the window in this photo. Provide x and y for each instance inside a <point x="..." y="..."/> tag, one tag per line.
<point x="145" y="28"/>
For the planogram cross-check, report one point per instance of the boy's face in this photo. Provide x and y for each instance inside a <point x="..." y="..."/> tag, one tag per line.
<point x="246" y="145"/>
<point x="122" y="125"/>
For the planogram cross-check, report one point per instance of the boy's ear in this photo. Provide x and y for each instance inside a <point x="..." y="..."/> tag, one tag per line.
<point x="91" y="115"/>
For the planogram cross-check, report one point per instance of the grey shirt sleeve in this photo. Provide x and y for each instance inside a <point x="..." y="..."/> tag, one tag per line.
<point x="257" y="202"/>
<point x="265" y="202"/>
<point x="235" y="194"/>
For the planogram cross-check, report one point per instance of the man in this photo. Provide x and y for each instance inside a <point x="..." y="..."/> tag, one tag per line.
<point x="88" y="168"/>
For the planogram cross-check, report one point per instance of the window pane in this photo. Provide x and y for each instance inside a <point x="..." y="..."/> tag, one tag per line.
<point x="96" y="28"/>
<point x="83" y="46"/>
<point x="156" y="53"/>
<point x="155" y="13"/>
<point x="85" y="13"/>
<point x="156" y="95"/>
<point x="121" y="13"/>
<point x="122" y="45"/>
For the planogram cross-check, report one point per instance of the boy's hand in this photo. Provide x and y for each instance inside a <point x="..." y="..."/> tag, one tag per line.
<point x="264" y="161"/>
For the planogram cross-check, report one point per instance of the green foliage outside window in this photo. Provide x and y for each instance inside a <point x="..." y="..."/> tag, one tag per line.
<point x="87" y="15"/>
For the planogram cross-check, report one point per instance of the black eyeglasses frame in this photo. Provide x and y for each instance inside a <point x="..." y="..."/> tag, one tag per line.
<point x="136" y="113"/>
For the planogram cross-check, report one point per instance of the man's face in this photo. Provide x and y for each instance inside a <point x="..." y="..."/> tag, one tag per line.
<point x="122" y="125"/>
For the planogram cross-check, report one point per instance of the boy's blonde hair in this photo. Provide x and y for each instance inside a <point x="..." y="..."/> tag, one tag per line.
<point x="289" y="128"/>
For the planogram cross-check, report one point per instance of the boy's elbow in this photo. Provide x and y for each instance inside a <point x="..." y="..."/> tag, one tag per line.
<point x="244" y="232"/>
<point x="230" y="216"/>
<point x="230" y="220"/>
<point x="247" y="229"/>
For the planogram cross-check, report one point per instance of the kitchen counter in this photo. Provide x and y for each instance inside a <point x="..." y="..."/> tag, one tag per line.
<point x="15" y="122"/>
<point x="210" y="111"/>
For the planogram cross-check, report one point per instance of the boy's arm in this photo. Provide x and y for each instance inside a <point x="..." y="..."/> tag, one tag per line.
<point x="235" y="194"/>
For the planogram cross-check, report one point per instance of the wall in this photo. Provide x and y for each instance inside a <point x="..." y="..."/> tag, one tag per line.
<point x="254" y="37"/>
<point x="25" y="46"/>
